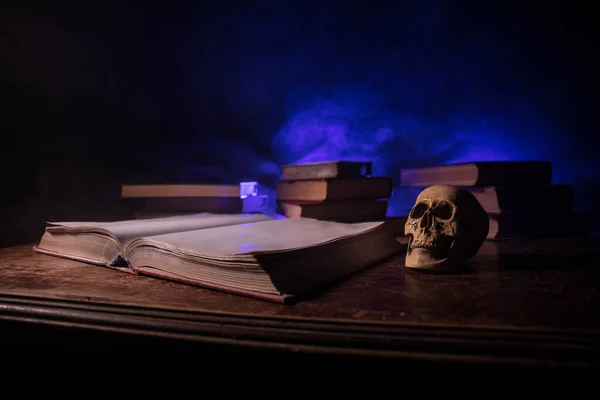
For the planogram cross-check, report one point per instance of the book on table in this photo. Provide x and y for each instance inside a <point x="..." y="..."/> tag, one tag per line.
<point x="190" y="205"/>
<point x="183" y="197"/>
<point x="246" y="254"/>
<point x="365" y="188"/>
<point x="479" y="173"/>
<point x="341" y="211"/>
<point x="326" y="170"/>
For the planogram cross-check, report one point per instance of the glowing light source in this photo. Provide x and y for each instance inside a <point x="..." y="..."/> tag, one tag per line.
<point x="248" y="189"/>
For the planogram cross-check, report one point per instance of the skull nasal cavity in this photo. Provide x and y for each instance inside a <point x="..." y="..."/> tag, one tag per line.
<point x="427" y="220"/>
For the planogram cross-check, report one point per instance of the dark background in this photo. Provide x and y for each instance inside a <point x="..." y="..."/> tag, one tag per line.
<point x="98" y="93"/>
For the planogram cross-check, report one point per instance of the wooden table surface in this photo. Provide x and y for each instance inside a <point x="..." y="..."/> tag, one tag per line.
<point x="534" y="302"/>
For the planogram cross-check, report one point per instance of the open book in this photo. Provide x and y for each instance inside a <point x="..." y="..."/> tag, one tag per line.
<point x="246" y="254"/>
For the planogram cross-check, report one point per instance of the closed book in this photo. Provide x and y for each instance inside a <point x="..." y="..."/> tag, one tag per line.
<point x="179" y="190"/>
<point x="335" y="189"/>
<point x="325" y="170"/>
<point x="484" y="173"/>
<point x="188" y="204"/>
<point x="365" y="210"/>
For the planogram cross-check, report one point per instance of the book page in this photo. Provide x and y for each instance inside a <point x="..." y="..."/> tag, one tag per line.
<point x="127" y="230"/>
<point x="255" y="237"/>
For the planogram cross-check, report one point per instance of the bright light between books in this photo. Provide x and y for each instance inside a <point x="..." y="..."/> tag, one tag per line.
<point x="248" y="189"/>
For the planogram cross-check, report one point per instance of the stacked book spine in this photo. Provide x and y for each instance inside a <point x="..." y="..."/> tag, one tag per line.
<point x="342" y="191"/>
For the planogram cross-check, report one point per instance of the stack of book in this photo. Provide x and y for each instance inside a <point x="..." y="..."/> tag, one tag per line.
<point x="518" y="196"/>
<point x="163" y="200"/>
<point x="342" y="191"/>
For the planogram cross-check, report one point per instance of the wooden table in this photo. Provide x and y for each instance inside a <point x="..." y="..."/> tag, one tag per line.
<point x="529" y="303"/>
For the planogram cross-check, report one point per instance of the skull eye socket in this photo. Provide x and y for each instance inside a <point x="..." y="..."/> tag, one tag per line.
<point x="444" y="210"/>
<point x="419" y="210"/>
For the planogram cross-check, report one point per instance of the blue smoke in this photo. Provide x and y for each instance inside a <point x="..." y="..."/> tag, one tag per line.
<point x="365" y="123"/>
<point x="420" y="83"/>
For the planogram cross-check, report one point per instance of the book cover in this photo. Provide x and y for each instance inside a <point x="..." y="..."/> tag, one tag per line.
<point x="361" y="188"/>
<point x="227" y="205"/>
<point x="351" y="210"/>
<point x="178" y="190"/>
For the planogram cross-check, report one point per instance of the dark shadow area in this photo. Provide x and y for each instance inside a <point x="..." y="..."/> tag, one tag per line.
<point x="533" y="262"/>
<point x="531" y="254"/>
<point x="461" y="269"/>
<point x="97" y="95"/>
<point x="39" y="341"/>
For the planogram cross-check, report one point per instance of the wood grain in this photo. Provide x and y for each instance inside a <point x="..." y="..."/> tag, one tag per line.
<point x="535" y="284"/>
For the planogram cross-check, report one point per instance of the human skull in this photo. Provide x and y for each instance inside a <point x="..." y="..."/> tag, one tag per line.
<point x="447" y="226"/>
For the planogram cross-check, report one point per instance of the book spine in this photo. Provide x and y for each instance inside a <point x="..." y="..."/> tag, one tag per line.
<point x="326" y="171"/>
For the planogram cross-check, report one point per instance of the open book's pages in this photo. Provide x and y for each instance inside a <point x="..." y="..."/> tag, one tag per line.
<point x="103" y="242"/>
<point x="249" y="254"/>
<point x="275" y="259"/>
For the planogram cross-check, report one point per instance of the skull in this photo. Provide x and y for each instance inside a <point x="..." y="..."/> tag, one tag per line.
<point x="447" y="226"/>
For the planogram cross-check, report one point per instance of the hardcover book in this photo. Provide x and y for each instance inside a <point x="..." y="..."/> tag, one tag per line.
<point x="215" y="205"/>
<point x="335" y="189"/>
<point x="178" y="190"/>
<point x="531" y="224"/>
<point x="483" y="173"/>
<point x="246" y="254"/>
<point x="326" y="170"/>
<point x="343" y="211"/>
